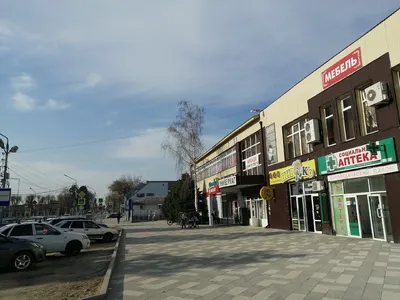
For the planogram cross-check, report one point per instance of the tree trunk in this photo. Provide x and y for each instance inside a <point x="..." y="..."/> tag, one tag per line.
<point x="196" y="200"/>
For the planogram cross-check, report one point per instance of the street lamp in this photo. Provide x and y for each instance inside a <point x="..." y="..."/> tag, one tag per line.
<point x="76" y="182"/>
<point x="7" y="150"/>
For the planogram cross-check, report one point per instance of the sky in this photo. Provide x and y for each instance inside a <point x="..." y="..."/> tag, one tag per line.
<point x="87" y="88"/>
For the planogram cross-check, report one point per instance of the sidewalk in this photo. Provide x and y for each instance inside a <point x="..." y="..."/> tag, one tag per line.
<point x="242" y="263"/>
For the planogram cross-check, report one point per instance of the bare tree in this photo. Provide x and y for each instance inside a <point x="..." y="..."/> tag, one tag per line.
<point x="184" y="139"/>
<point x="121" y="187"/>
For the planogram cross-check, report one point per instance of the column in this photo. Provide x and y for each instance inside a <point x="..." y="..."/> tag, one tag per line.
<point x="210" y="208"/>
<point x="219" y="205"/>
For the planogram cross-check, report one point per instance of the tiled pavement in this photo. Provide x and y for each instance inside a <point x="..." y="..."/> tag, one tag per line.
<point x="244" y="263"/>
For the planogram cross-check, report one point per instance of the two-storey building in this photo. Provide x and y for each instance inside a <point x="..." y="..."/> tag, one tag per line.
<point x="330" y="147"/>
<point x="336" y="166"/>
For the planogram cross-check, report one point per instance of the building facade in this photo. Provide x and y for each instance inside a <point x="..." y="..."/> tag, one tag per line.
<point x="231" y="174"/>
<point x="331" y="160"/>
<point x="336" y="165"/>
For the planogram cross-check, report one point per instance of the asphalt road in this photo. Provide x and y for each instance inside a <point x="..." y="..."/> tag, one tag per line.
<point x="59" y="277"/>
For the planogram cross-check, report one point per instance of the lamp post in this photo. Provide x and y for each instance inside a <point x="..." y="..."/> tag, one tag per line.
<point x="34" y="203"/>
<point x="7" y="150"/>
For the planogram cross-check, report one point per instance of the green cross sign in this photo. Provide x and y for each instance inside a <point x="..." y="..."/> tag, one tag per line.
<point x="331" y="163"/>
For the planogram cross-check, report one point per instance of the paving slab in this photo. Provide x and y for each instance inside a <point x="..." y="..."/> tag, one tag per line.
<point x="246" y="263"/>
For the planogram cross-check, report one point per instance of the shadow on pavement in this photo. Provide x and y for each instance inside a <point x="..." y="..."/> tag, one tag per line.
<point x="199" y="235"/>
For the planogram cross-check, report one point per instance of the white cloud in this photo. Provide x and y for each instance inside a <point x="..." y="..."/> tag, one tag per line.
<point x="22" y="82"/>
<point x="201" y="48"/>
<point x="92" y="80"/>
<point x="55" y="105"/>
<point x="23" y="102"/>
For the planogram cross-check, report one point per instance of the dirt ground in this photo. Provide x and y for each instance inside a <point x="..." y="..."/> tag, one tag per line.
<point x="59" y="277"/>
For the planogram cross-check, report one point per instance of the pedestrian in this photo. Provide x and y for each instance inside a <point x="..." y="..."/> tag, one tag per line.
<point x="119" y="217"/>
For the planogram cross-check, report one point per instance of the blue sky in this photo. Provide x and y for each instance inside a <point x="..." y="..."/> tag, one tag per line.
<point x="73" y="72"/>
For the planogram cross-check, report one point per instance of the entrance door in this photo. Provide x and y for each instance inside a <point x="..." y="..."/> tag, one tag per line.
<point x="377" y="222"/>
<point x="310" y="213"/>
<point x="300" y="209"/>
<point x="317" y="213"/>
<point x="352" y="214"/>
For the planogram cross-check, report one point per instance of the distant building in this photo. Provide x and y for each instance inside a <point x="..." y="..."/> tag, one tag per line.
<point x="147" y="199"/>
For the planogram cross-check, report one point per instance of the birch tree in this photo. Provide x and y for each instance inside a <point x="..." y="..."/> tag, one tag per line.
<point x="184" y="140"/>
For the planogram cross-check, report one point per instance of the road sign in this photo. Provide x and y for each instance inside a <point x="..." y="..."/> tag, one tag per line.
<point x="81" y="201"/>
<point x="5" y="196"/>
<point x="100" y="200"/>
<point x="81" y="194"/>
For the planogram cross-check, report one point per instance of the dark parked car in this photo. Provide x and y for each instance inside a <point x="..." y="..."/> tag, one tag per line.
<point x="20" y="254"/>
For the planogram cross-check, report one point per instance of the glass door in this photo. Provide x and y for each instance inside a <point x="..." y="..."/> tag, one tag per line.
<point x="300" y="209"/>
<point x="375" y="208"/>
<point x="317" y="213"/>
<point x="353" y="216"/>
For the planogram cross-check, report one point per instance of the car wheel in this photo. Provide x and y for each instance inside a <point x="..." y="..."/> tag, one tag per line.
<point x="107" y="238"/>
<point x="22" y="261"/>
<point x="73" y="248"/>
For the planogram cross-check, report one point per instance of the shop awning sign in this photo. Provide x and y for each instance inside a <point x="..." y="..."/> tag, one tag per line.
<point x="296" y="172"/>
<point x="341" y="69"/>
<point x="357" y="157"/>
<point x="227" y="181"/>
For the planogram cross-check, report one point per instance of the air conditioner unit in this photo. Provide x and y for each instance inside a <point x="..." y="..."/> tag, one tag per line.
<point x="377" y="94"/>
<point x="312" y="131"/>
<point x="318" y="186"/>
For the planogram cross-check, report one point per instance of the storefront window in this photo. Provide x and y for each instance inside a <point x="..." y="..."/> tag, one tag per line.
<point x="377" y="184"/>
<point x="294" y="208"/>
<point x="358" y="185"/>
<point x="337" y="188"/>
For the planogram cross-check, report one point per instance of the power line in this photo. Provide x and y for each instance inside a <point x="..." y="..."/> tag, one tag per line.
<point x="42" y="192"/>
<point x="106" y="140"/>
<point x="29" y="173"/>
<point x="26" y="180"/>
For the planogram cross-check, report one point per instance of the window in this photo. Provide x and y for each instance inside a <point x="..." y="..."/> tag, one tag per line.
<point x="5" y="232"/>
<point x="66" y="224"/>
<point x="91" y="225"/>
<point x="77" y="225"/>
<point x="150" y="194"/>
<point x="3" y="239"/>
<point x="295" y="140"/>
<point x="43" y="229"/>
<point x="22" y="230"/>
<point x="251" y="155"/>
<point x="368" y="121"/>
<point x="270" y="138"/>
<point x="140" y="195"/>
<point x="328" y="125"/>
<point x="346" y="117"/>
<point x="224" y="161"/>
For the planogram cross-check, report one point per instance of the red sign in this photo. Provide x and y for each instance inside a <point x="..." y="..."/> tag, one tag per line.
<point x="343" y="68"/>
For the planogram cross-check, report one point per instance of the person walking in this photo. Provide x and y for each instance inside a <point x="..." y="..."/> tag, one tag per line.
<point x="119" y="217"/>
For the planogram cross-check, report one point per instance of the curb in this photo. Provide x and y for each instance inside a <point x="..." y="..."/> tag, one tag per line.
<point x="107" y="277"/>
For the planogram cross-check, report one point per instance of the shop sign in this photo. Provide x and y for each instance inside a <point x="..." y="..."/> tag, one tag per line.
<point x="227" y="181"/>
<point x="365" y="172"/>
<point x="297" y="171"/>
<point x="252" y="161"/>
<point x="267" y="193"/>
<point x="358" y="157"/>
<point x="341" y="69"/>
<point x="213" y="187"/>
<point x="340" y="215"/>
